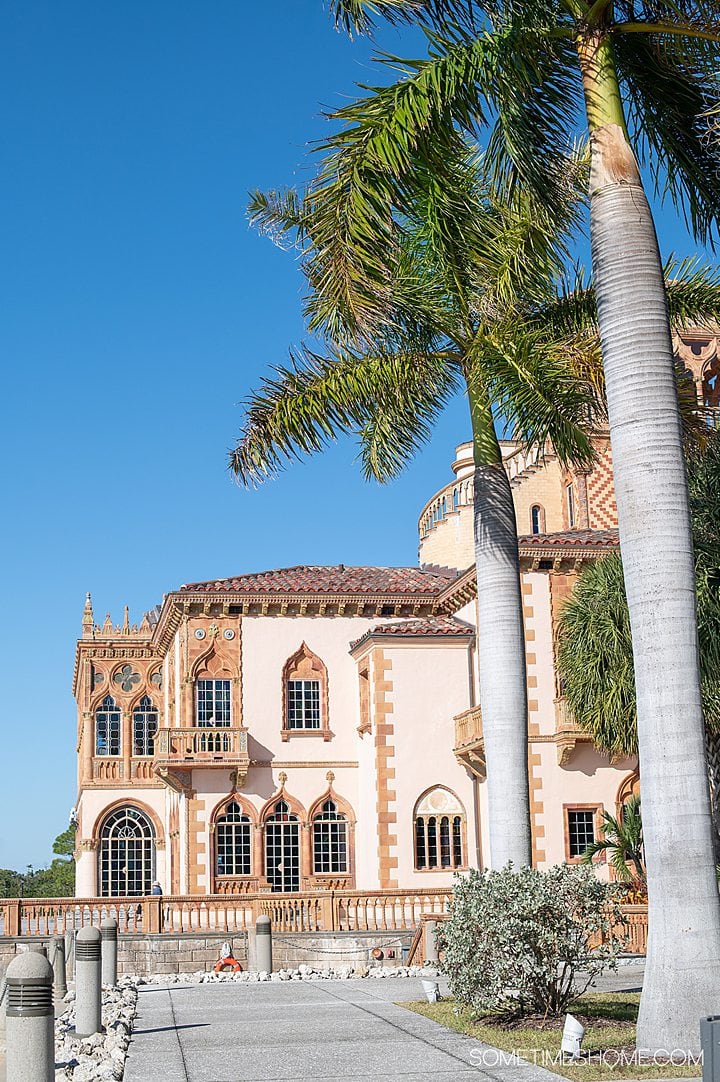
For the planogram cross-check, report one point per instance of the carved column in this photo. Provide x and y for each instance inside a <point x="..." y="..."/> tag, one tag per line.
<point x="88" y="749"/>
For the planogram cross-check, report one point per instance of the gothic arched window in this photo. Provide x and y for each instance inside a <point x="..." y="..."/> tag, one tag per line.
<point x="107" y="728"/>
<point x="282" y="848"/>
<point x="127" y="854"/>
<point x="305" y="695"/>
<point x="439" y="831"/>
<point x="145" y="726"/>
<point x="537" y="519"/>
<point x="233" y="841"/>
<point x="330" y="843"/>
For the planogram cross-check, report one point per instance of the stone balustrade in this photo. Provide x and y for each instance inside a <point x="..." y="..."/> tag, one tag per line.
<point x="316" y="911"/>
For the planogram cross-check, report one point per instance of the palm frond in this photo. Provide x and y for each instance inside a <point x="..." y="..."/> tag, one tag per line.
<point x="318" y="399"/>
<point x="361" y="16"/>
<point x="534" y="388"/>
<point x="673" y="100"/>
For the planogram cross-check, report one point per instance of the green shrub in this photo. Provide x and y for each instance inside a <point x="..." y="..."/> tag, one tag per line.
<point x="515" y="940"/>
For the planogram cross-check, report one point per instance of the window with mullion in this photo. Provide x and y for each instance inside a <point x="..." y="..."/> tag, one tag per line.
<point x="145" y="725"/>
<point x="303" y="704"/>
<point x="330" y="841"/>
<point x="107" y="728"/>
<point x="581" y="830"/>
<point x="213" y="704"/>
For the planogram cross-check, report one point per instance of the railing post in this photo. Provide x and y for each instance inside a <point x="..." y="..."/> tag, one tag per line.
<point x="30" y="1021"/>
<point x="13" y="918"/>
<point x="152" y="909"/>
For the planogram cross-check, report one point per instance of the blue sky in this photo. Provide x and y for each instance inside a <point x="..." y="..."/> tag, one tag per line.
<point x="137" y="311"/>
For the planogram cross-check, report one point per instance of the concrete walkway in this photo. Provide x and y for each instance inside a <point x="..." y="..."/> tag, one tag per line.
<point x="329" y="1030"/>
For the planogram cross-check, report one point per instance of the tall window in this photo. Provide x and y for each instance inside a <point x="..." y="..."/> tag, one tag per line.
<point x="439" y="831"/>
<point x="233" y="841"/>
<point x="282" y="849"/>
<point x="581" y="830"/>
<point x="127" y="854"/>
<point x="330" y="840"/>
<point x="145" y="726"/>
<point x="303" y="704"/>
<point x="107" y="728"/>
<point x="213" y="703"/>
<point x="536" y="519"/>
<point x="570" y="496"/>
<point x="305" y="695"/>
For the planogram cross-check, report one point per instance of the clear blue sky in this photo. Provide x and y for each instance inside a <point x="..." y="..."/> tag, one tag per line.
<point x="137" y="311"/>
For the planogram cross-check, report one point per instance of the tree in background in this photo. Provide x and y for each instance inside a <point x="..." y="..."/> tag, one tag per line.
<point x="622" y="843"/>
<point x="56" y="881"/>
<point x="594" y="656"/>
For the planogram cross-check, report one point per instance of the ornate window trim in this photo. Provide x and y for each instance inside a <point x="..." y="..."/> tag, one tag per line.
<point x="439" y="828"/>
<point x="305" y="665"/>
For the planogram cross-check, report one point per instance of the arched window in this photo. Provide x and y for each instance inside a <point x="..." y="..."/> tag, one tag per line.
<point x="330" y="848"/>
<point x="439" y="831"/>
<point x="282" y="849"/>
<point x="127" y="854"/>
<point x="107" y="728"/>
<point x="145" y="726"/>
<point x="537" y="519"/>
<point x="570" y="502"/>
<point x="212" y="704"/>
<point x="456" y="498"/>
<point x="305" y="696"/>
<point x="233" y="839"/>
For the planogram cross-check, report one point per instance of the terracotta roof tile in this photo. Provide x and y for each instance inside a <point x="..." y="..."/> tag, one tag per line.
<point x="572" y="538"/>
<point x="445" y="626"/>
<point x="332" y="580"/>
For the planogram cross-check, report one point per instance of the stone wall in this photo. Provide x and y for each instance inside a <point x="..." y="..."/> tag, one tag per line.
<point x="146" y="955"/>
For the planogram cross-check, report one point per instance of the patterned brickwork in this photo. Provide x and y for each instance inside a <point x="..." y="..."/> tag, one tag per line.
<point x="602" y="509"/>
<point x="196" y="846"/>
<point x="386" y="805"/>
<point x="537" y="807"/>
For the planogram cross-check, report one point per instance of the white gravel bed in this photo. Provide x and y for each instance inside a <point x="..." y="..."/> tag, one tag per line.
<point x="302" y="973"/>
<point x="102" y="1055"/>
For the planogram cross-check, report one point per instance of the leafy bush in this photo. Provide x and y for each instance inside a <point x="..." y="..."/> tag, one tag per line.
<point x="515" y="940"/>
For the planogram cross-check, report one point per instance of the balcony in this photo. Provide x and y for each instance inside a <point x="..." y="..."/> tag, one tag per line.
<point x="181" y="749"/>
<point x="469" y="741"/>
<point x="568" y="733"/>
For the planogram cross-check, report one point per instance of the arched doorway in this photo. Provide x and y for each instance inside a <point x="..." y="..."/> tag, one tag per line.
<point x="282" y="849"/>
<point x="127" y="854"/>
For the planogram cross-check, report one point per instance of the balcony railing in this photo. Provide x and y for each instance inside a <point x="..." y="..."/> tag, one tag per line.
<point x="469" y="741"/>
<point x="206" y="746"/>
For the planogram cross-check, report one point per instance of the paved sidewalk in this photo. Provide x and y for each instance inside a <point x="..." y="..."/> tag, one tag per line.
<point x="329" y="1030"/>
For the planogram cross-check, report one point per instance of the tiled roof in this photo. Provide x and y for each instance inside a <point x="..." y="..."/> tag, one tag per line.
<point x="572" y="539"/>
<point x="332" y="580"/>
<point x="445" y="626"/>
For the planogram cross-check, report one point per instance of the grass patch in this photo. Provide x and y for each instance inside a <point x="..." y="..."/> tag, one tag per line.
<point x="609" y="1020"/>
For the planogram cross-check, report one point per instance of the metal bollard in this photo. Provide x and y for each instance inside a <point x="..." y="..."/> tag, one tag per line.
<point x="109" y="933"/>
<point x="710" y="1045"/>
<point x="88" y="989"/>
<point x="263" y="944"/>
<point x="58" y="964"/>
<point x="431" y="951"/>
<point x="30" y="1023"/>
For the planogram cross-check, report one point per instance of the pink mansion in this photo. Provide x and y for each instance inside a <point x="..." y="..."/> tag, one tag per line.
<point x="316" y="728"/>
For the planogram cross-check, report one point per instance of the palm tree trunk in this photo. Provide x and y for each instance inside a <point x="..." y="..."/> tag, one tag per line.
<point x="501" y="647"/>
<point x="682" y="976"/>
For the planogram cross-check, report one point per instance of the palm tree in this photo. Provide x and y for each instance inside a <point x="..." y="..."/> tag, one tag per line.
<point x="622" y="840"/>
<point x="473" y="306"/>
<point x="645" y="75"/>
<point x="462" y="287"/>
